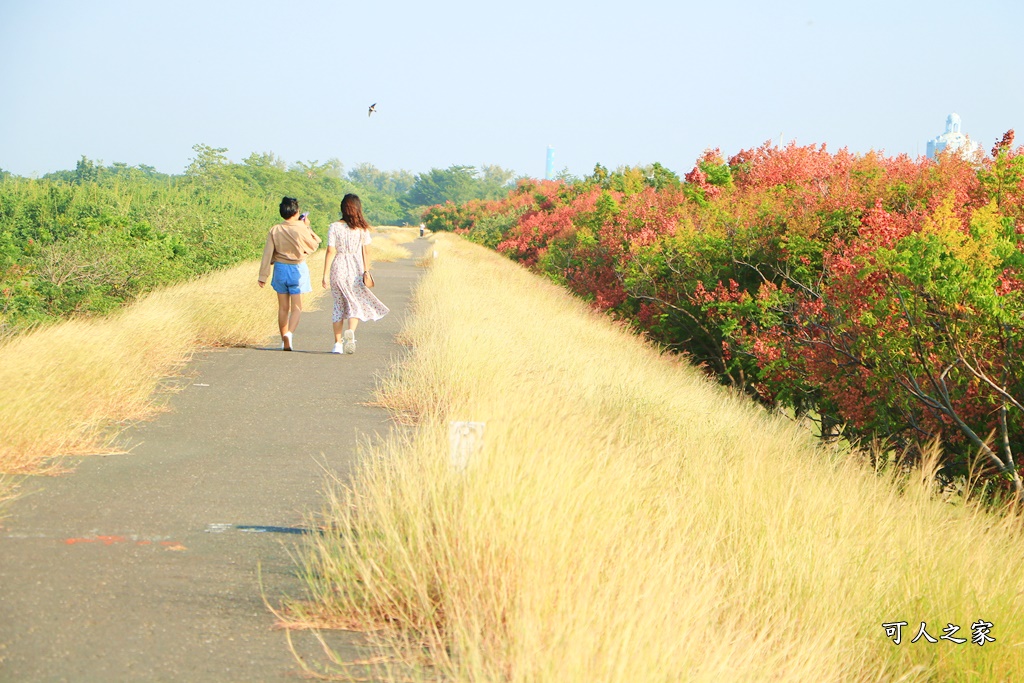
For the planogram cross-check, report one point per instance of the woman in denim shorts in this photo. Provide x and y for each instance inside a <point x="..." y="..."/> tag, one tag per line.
<point x="288" y="245"/>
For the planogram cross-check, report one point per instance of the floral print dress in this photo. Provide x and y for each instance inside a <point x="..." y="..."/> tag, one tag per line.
<point x="352" y="299"/>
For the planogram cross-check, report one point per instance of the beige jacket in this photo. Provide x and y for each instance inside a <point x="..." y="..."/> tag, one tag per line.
<point x="288" y="242"/>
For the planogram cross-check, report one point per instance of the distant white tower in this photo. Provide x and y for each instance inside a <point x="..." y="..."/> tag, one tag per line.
<point x="952" y="140"/>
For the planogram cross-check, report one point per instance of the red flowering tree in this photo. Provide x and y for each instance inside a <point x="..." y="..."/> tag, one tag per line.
<point x="883" y="294"/>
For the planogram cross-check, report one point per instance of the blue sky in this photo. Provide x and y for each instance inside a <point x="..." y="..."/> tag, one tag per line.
<point x="478" y="82"/>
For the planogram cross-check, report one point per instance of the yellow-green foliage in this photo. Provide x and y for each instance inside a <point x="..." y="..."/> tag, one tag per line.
<point x="627" y="520"/>
<point x="64" y="386"/>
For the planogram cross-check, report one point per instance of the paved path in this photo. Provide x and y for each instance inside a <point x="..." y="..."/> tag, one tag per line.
<point x="143" y="567"/>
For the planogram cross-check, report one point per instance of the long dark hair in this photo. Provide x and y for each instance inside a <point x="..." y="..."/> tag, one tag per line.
<point x="352" y="212"/>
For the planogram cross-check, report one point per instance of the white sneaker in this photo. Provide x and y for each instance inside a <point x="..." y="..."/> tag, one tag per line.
<point x="338" y="348"/>
<point x="286" y="343"/>
<point x="350" y="341"/>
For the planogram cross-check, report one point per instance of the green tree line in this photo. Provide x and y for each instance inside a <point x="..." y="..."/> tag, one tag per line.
<point x="87" y="240"/>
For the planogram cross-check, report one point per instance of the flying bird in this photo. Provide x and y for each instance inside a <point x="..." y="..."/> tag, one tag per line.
<point x="373" y="108"/>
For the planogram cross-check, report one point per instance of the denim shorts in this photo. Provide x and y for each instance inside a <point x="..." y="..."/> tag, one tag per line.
<point x="290" y="278"/>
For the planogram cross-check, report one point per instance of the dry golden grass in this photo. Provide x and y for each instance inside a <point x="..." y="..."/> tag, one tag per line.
<point x="67" y="388"/>
<point x="400" y="233"/>
<point x="386" y="244"/>
<point x="626" y="520"/>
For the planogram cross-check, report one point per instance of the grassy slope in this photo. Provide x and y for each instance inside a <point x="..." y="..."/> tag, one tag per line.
<point x="627" y="520"/>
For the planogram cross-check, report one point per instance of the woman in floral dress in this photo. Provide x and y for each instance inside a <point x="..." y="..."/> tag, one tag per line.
<point x="347" y="261"/>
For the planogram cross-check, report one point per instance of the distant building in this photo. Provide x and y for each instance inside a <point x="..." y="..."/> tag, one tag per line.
<point x="549" y="166"/>
<point x="953" y="140"/>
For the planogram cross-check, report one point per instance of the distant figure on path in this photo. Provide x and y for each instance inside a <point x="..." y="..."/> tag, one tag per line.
<point x="288" y="245"/>
<point x="346" y="264"/>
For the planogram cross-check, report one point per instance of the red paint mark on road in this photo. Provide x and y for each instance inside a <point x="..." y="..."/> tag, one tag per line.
<point x="172" y="545"/>
<point x="111" y="540"/>
<point x="105" y="540"/>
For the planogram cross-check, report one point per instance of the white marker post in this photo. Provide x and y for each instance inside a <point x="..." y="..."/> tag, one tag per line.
<point x="465" y="440"/>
